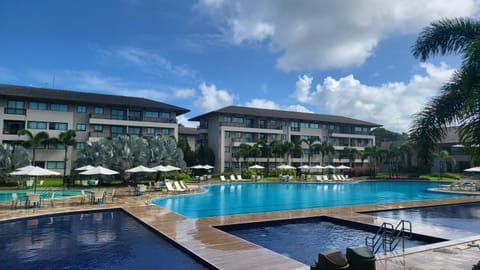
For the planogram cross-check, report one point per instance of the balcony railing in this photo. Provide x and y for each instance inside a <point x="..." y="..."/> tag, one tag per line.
<point x="132" y="118"/>
<point x="15" y="111"/>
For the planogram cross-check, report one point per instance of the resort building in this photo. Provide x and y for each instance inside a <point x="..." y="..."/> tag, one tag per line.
<point x="92" y="116"/>
<point x="224" y="130"/>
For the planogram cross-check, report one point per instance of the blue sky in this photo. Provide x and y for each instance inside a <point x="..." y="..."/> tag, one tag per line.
<point x="349" y="58"/>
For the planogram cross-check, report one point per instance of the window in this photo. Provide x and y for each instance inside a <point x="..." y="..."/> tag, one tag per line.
<point x="226" y="149"/>
<point x="118" y="114"/>
<point x="59" y="107"/>
<point x="295" y="126"/>
<point x="134" y="131"/>
<point x="150" y="131"/>
<point x="99" y="110"/>
<point x="227" y="134"/>
<point x="165" y="131"/>
<point x="37" y="125"/>
<point x="248" y="137"/>
<point x="38" y="105"/>
<point x="15" y="107"/>
<point x="238" y="134"/>
<point x="134" y="115"/>
<point x="304" y="125"/>
<point x="81" y="127"/>
<point x="57" y="126"/>
<point x="237" y="120"/>
<point x="80" y="145"/>
<point x="116" y="130"/>
<point x="226" y="164"/>
<point x="165" y="115"/>
<point x="98" y="128"/>
<point x="56" y="146"/>
<point x="227" y="119"/>
<point x="81" y="108"/>
<point x="151" y="114"/>
<point x="249" y="123"/>
<point x="313" y="125"/>
<point x="55" y="164"/>
<point x="12" y="127"/>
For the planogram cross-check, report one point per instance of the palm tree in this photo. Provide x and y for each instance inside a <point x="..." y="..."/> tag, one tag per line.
<point x="350" y="153"/>
<point x="312" y="144"/>
<point x="458" y="102"/>
<point x="34" y="141"/>
<point x="444" y="157"/>
<point x="374" y="153"/>
<point x="244" y="152"/>
<point x="266" y="152"/>
<point x="289" y="148"/>
<point x="255" y="151"/>
<point x="277" y="149"/>
<point x="326" y="149"/>
<point x="67" y="139"/>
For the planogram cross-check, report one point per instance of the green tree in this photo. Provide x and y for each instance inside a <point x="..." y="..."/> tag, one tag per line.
<point x="288" y="148"/>
<point x="255" y="151"/>
<point x="458" y="102"/>
<point x="375" y="154"/>
<point x="444" y="158"/>
<point x="67" y="139"/>
<point x="350" y="153"/>
<point x="277" y="150"/>
<point x="326" y="150"/>
<point x="39" y="140"/>
<point x="312" y="143"/>
<point x="11" y="158"/>
<point x="188" y="154"/>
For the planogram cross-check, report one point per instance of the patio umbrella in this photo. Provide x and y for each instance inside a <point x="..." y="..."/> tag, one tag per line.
<point x="256" y="166"/>
<point x="99" y="170"/>
<point x="34" y="171"/>
<point x="285" y="167"/>
<point x="208" y="167"/>
<point x="473" y="169"/>
<point x="84" y="168"/>
<point x="342" y="167"/>
<point x="173" y="168"/>
<point x="140" y="168"/>
<point x="25" y="168"/>
<point x="304" y="167"/>
<point x="198" y="166"/>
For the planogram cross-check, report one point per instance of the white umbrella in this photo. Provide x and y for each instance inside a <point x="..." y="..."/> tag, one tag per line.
<point x="24" y="168"/>
<point x="304" y="167"/>
<point x="198" y="166"/>
<point x="99" y="170"/>
<point x="140" y="169"/>
<point x="473" y="169"/>
<point x="329" y="167"/>
<point x="285" y="167"/>
<point x="318" y="167"/>
<point x="84" y="168"/>
<point x="34" y="171"/>
<point x="172" y="168"/>
<point x="208" y="167"/>
<point x="342" y="167"/>
<point x="256" y="166"/>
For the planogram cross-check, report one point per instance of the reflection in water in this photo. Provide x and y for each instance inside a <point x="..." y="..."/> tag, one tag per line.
<point x="95" y="240"/>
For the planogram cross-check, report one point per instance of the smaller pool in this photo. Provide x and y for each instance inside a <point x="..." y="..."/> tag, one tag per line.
<point x="303" y="239"/>
<point x="465" y="216"/>
<point x="6" y="195"/>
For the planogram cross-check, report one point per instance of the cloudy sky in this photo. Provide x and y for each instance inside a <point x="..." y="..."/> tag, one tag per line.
<point x="342" y="57"/>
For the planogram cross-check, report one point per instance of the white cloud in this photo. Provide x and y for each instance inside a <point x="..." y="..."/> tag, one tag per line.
<point x="182" y="119"/>
<point x="212" y="98"/>
<point x="271" y="105"/>
<point x="184" y="92"/>
<point x="312" y="35"/>
<point x="390" y="104"/>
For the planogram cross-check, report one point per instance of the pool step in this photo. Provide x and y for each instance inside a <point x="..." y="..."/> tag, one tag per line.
<point x="388" y="236"/>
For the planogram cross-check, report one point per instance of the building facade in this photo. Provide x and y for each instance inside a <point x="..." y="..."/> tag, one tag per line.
<point x="92" y="116"/>
<point x="224" y="130"/>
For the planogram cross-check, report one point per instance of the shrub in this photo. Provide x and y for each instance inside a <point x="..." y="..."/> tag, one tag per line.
<point x="476" y="266"/>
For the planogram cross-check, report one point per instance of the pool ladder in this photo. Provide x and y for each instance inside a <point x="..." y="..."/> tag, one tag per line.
<point x="388" y="237"/>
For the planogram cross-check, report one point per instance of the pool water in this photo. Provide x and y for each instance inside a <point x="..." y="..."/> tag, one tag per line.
<point x="303" y="239"/>
<point x="6" y="195"/>
<point x="464" y="216"/>
<point x="236" y="198"/>
<point x="93" y="240"/>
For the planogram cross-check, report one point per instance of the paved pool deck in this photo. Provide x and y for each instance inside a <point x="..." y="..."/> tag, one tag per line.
<point x="225" y="251"/>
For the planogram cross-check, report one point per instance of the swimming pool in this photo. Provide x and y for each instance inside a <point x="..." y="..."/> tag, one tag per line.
<point x="6" y="195"/>
<point x="302" y="239"/>
<point x="89" y="240"/>
<point x="241" y="198"/>
<point x="463" y="216"/>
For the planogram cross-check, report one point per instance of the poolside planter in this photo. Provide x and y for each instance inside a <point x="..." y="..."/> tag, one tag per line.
<point x="361" y="258"/>
<point x="331" y="260"/>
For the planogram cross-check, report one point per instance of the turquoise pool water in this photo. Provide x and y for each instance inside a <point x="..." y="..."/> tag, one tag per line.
<point x="6" y="195"/>
<point x="242" y="198"/>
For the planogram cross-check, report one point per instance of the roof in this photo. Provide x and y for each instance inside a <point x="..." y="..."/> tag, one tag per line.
<point x="187" y="131"/>
<point x="84" y="97"/>
<point x="238" y="110"/>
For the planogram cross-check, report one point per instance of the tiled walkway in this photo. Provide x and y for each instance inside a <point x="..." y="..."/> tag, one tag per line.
<point x="225" y="251"/>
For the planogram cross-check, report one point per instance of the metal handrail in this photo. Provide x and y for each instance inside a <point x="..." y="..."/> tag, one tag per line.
<point x="388" y="237"/>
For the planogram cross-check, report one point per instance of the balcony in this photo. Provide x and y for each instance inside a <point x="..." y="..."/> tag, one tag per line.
<point x="132" y="118"/>
<point x="15" y="111"/>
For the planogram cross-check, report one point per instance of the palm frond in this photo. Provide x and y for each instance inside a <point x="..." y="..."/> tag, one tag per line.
<point x="447" y="36"/>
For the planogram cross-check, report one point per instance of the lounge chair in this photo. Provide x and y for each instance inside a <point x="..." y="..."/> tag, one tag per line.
<point x="29" y="183"/>
<point x="14" y="200"/>
<point x="325" y="177"/>
<point x="98" y="197"/>
<point x="232" y="177"/>
<point x="141" y="189"/>
<point x="84" y="183"/>
<point x="170" y="187"/>
<point x="334" y="176"/>
<point x="239" y="177"/>
<point x="157" y="186"/>
<point x="178" y="187"/>
<point x="318" y="178"/>
<point x="222" y="178"/>
<point x="40" y="184"/>
<point x="184" y="186"/>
